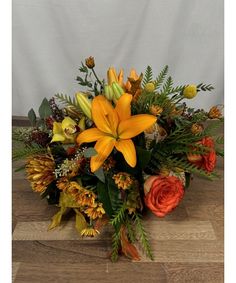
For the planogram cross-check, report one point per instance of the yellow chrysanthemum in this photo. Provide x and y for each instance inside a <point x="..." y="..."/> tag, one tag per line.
<point x="89" y="232"/>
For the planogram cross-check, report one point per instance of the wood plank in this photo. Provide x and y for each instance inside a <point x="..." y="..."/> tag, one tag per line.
<point x="169" y="230"/>
<point x="93" y="272"/>
<point x="98" y="250"/>
<point x="192" y="272"/>
<point x="15" y="267"/>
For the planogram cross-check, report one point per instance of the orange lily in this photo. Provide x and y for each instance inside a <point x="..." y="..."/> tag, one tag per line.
<point x="114" y="128"/>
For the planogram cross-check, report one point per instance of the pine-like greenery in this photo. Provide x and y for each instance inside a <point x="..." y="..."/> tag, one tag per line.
<point x="67" y="100"/>
<point x="148" y="76"/>
<point x="115" y="245"/>
<point x="21" y="153"/>
<point x="143" y="236"/>
<point x="161" y="77"/>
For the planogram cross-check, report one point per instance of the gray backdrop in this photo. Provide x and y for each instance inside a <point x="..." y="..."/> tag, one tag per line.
<point x="51" y="37"/>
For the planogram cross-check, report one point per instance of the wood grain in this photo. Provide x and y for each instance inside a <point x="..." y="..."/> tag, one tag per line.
<point x="188" y="244"/>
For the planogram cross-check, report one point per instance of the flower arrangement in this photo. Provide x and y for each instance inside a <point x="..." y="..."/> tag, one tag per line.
<point x="117" y="149"/>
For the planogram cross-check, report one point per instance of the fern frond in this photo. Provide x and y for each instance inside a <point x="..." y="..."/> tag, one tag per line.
<point x="212" y="127"/>
<point x="220" y="140"/>
<point x="190" y="168"/>
<point x="67" y="100"/>
<point x="160" y="79"/>
<point x="148" y="77"/>
<point x="20" y="153"/>
<point x="119" y="217"/>
<point x="115" y="245"/>
<point x="204" y="87"/>
<point x="167" y="86"/>
<point x="143" y="236"/>
<point x="131" y="231"/>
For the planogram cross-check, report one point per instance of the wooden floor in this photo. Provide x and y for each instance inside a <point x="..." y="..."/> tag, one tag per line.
<point x="187" y="244"/>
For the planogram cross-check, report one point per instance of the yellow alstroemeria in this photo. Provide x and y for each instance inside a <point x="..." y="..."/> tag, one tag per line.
<point x="114" y="128"/>
<point x="65" y="131"/>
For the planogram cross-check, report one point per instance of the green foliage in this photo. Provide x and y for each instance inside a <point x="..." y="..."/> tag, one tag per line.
<point x="167" y="87"/>
<point x="220" y="140"/>
<point x="188" y="167"/>
<point x="67" y="100"/>
<point x="115" y="246"/>
<point x="119" y="216"/>
<point x="130" y="228"/>
<point x="32" y="117"/>
<point x="210" y="130"/>
<point x="143" y="156"/>
<point x="89" y="152"/>
<point x="148" y="77"/>
<point x="20" y="153"/>
<point x="45" y="109"/>
<point x="99" y="173"/>
<point x="21" y="134"/>
<point x="204" y="87"/>
<point x="159" y="80"/>
<point x="143" y="236"/>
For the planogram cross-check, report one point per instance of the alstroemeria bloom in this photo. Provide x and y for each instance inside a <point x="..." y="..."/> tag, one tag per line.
<point x="65" y="131"/>
<point x="114" y="128"/>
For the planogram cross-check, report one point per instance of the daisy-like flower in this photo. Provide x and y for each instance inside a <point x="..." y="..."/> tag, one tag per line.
<point x="89" y="232"/>
<point x="123" y="180"/>
<point x="114" y="129"/>
<point x="95" y="211"/>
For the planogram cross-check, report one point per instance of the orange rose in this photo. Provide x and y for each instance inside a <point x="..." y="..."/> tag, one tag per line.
<point x="163" y="194"/>
<point x="206" y="161"/>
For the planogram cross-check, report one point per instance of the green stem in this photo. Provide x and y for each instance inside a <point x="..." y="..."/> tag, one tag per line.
<point x="95" y="75"/>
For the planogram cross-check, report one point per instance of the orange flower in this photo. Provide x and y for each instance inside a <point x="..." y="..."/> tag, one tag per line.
<point x="163" y="194"/>
<point x="206" y="161"/>
<point x="114" y="128"/>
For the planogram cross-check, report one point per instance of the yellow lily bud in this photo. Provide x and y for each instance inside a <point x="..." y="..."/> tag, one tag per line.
<point x="190" y="91"/>
<point x="85" y="104"/>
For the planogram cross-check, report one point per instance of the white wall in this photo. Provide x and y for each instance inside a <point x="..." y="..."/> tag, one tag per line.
<point x="51" y="37"/>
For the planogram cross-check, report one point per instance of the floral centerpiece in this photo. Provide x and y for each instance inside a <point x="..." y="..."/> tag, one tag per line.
<point x="117" y="149"/>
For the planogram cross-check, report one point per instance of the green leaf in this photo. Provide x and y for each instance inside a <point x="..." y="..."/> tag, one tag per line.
<point x="80" y="222"/>
<point x="45" y="109"/>
<point x="89" y="152"/>
<point x="187" y="179"/>
<point x="100" y="174"/>
<point x="114" y="194"/>
<point x="32" y="117"/>
<point x="103" y="196"/>
<point x="143" y="156"/>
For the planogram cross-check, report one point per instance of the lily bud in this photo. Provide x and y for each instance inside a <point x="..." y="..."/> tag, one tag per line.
<point x="84" y="104"/>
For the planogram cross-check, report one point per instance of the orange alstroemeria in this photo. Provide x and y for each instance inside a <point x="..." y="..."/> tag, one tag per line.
<point x="114" y="129"/>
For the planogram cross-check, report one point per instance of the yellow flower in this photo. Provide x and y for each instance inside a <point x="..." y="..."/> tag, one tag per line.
<point x="89" y="232"/>
<point x="196" y="128"/>
<point x="190" y="91"/>
<point x="155" y="110"/>
<point x="115" y="128"/>
<point x="65" y="131"/>
<point x="214" y="113"/>
<point x="149" y="87"/>
<point x="95" y="211"/>
<point x="123" y="180"/>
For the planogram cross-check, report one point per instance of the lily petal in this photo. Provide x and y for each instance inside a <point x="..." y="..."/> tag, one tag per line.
<point x="104" y="115"/>
<point x="133" y="74"/>
<point x="90" y="135"/>
<point x="135" y="125"/>
<point x="123" y="108"/>
<point x="126" y="147"/>
<point x="104" y="147"/>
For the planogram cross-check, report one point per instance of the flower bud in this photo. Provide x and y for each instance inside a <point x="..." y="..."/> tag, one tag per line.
<point x="196" y="128"/>
<point x="149" y="87"/>
<point x="89" y="62"/>
<point x="190" y="91"/>
<point x="214" y="113"/>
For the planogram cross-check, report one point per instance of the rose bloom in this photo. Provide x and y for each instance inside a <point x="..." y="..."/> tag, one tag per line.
<point x="206" y="161"/>
<point x="163" y="194"/>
